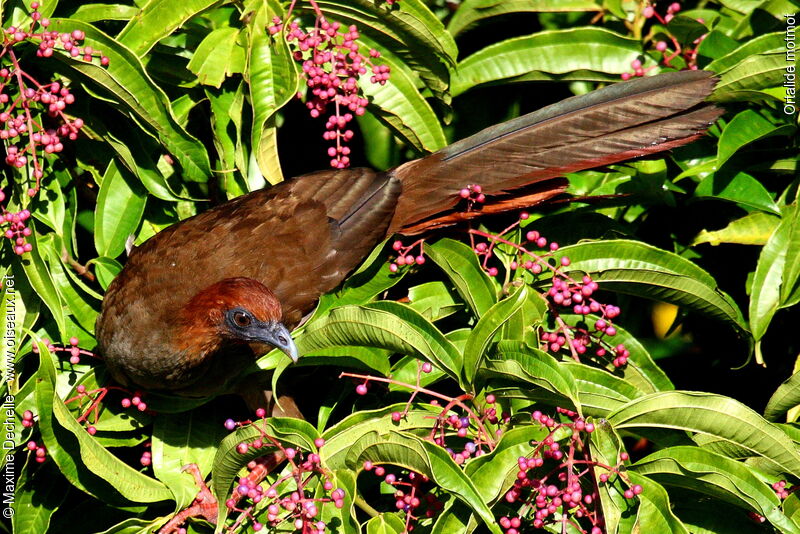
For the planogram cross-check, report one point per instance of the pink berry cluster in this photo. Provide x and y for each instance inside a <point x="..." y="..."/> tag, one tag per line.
<point x="147" y="457"/>
<point x="781" y="490"/>
<point x="577" y="295"/>
<point x="332" y="65"/>
<point x="564" y="295"/>
<point x="136" y="400"/>
<point x="473" y="194"/>
<point x="690" y="55"/>
<point x="17" y="231"/>
<point x="412" y="494"/>
<point x="554" y="482"/>
<point x="39" y="451"/>
<point x="296" y="508"/>
<point x="405" y="255"/>
<point x="27" y="419"/>
<point x="73" y="350"/>
<point x="32" y="118"/>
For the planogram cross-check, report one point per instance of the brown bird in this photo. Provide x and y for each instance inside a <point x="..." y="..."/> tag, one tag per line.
<point x="198" y="301"/>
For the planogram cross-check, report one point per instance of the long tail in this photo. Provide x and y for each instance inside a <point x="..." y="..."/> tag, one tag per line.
<point x="518" y="163"/>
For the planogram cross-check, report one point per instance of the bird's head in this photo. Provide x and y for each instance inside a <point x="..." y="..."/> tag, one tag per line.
<point x="233" y="310"/>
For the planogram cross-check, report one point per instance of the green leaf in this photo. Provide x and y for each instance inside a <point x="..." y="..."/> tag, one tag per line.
<point x="655" y="511"/>
<point x="786" y="397"/>
<point x="517" y="363"/>
<point x="755" y="73"/>
<point x="636" y="268"/>
<point x="42" y="282"/>
<point x="461" y="265"/>
<point x="371" y="279"/>
<point x="126" y="79"/>
<point x="181" y="439"/>
<point x="483" y="333"/>
<point x="340" y="437"/>
<point x="273" y="81"/>
<point x="746" y="127"/>
<point x="386" y="523"/>
<point x="385" y="325"/>
<point x="752" y="229"/>
<point x="471" y="11"/>
<point x="106" y="270"/>
<point x="38" y="495"/>
<point x="551" y="52"/>
<point x="496" y="472"/>
<point x="156" y="20"/>
<point x="766" y="289"/>
<point x="599" y="391"/>
<point x="710" y="414"/>
<point x="740" y="188"/>
<point x="434" y="300"/>
<point x="709" y="473"/>
<point x="423" y="457"/>
<point x="120" y="206"/>
<point x="400" y="106"/>
<point x="99" y="12"/>
<point x="218" y="56"/>
<point x="77" y="453"/>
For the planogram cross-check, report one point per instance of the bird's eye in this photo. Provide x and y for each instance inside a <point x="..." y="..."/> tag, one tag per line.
<point x="241" y="319"/>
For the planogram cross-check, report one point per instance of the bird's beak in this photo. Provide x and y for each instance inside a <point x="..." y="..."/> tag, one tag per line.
<point x="277" y="335"/>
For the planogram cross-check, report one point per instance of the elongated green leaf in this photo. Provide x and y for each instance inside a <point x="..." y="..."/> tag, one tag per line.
<point x="553" y="52"/>
<point x="754" y="73"/>
<point x="599" y="391"/>
<point x="460" y="264"/>
<point x="786" y="397"/>
<point x="434" y="300"/>
<point x="157" y="19"/>
<point x="42" y="282"/>
<point x="76" y="452"/>
<point x="483" y="333"/>
<point x="371" y="279"/>
<point x="771" y="42"/>
<point x="746" y="127"/>
<point x="96" y="12"/>
<point x="38" y="495"/>
<point x="181" y="439"/>
<point x="711" y="414"/>
<point x="423" y="457"/>
<point x="120" y="206"/>
<point x="471" y="11"/>
<point x="514" y="363"/>
<point x="217" y="56"/>
<point x="126" y="79"/>
<point x="752" y="229"/>
<point x="639" y="269"/>
<point x="765" y="291"/>
<point x="740" y="188"/>
<point x="400" y="106"/>
<point x="340" y="437"/>
<point x="729" y="480"/>
<point x="273" y="82"/>
<point x="384" y="325"/>
<point x="386" y="523"/>
<point x="496" y="472"/>
<point x="654" y="513"/>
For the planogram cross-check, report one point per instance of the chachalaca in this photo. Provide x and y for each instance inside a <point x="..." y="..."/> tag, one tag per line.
<point x="198" y="301"/>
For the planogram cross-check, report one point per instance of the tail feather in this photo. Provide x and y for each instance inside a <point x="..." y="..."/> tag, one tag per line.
<point x="613" y="124"/>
